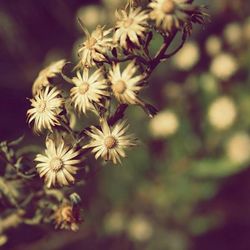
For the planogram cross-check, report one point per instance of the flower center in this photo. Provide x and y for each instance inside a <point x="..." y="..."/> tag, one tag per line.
<point x="128" y="22"/>
<point x="168" y="6"/>
<point x="119" y="87"/>
<point x="90" y="42"/>
<point x="83" y="88"/>
<point x="56" y="164"/>
<point x="110" y="142"/>
<point x="42" y="106"/>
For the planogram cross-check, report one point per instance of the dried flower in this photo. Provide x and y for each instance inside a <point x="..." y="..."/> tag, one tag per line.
<point x="109" y="143"/>
<point x="57" y="165"/>
<point x="96" y="44"/>
<point x="125" y="87"/>
<point x="67" y="217"/>
<point x="130" y="27"/>
<point x="42" y="79"/>
<point x="169" y="14"/>
<point x="88" y="89"/>
<point x="46" y="106"/>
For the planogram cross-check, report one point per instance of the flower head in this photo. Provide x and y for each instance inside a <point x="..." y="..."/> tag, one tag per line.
<point x="50" y="71"/>
<point x="46" y="106"/>
<point x="57" y="165"/>
<point x="170" y="14"/>
<point x="130" y="27"/>
<point x="96" y="44"/>
<point x="88" y="89"/>
<point x="67" y="217"/>
<point x="109" y="143"/>
<point x="125" y="85"/>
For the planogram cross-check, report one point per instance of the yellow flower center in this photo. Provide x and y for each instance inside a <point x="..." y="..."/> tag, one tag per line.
<point x="83" y="88"/>
<point x="90" y="43"/>
<point x="119" y="87"/>
<point x="42" y="106"/>
<point x="168" y="6"/>
<point x="128" y="22"/>
<point x="56" y="164"/>
<point x="110" y="142"/>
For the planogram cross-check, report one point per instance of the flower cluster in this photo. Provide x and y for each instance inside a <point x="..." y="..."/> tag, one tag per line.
<point x="113" y="69"/>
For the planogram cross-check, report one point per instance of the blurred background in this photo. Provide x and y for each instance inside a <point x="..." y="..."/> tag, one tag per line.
<point x="187" y="185"/>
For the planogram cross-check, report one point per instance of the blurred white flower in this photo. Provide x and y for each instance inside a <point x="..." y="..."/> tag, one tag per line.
<point x="164" y="124"/>
<point x="187" y="57"/>
<point x="222" y="113"/>
<point x="114" y="222"/>
<point x="213" y="45"/>
<point x="224" y="66"/>
<point x="91" y="15"/>
<point x="238" y="148"/>
<point x="246" y="30"/>
<point x="233" y="34"/>
<point x="140" y="229"/>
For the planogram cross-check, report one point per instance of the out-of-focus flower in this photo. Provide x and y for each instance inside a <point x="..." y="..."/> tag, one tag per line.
<point x="164" y="124"/>
<point x="222" y="113"/>
<point x="42" y="79"/>
<point x="140" y="229"/>
<point x="92" y="15"/>
<point x="130" y="28"/>
<point x="233" y="34"/>
<point x="57" y="165"/>
<point x="208" y="83"/>
<point x="187" y="57"/>
<point x="114" y="222"/>
<point x="109" y="143"/>
<point x="125" y="85"/>
<point x="224" y="66"/>
<point x="169" y="14"/>
<point x="246" y="30"/>
<point x="114" y="4"/>
<point x="46" y="106"/>
<point x="67" y="217"/>
<point x="95" y="45"/>
<point x="238" y="148"/>
<point x="213" y="45"/>
<point x="88" y="89"/>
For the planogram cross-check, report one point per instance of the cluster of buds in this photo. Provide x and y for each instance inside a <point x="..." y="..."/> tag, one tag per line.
<point x="114" y="67"/>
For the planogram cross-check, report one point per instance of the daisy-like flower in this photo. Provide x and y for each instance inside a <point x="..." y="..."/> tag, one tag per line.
<point x="42" y="79"/>
<point x="88" y="89"/>
<point x="67" y="217"/>
<point x="169" y="14"/>
<point x="57" y="165"/>
<point x="130" y="27"/>
<point x="96" y="44"/>
<point x="125" y="85"/>
<point x="46" y="106"/>
<point x="109" y="143"/>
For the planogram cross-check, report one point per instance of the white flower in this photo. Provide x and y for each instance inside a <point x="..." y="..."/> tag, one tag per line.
<point x="42" y="79"/>
<point x="57" y="165"/>
<point x="95" y="45"/>
<point x="238" y="148"/>
<point x="130" y="27"/>
<point x="88" y="89"/>
<point x="222" y="113"/>
<point x="46" y="106"/>
<point x="124" y="84"/>
<point x="187" y="57"/>
<point x="224" y="66"/>
<point x="164" y="124"/>
<point x="109" y="143"/>
<point x="170" y="14"/>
